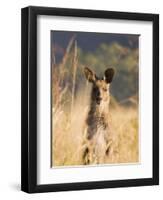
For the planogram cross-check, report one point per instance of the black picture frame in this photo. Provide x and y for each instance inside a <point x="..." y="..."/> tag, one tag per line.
<point x="29" y="99"/>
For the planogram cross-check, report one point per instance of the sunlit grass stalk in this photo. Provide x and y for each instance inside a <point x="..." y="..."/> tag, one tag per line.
<point x="62" y="66"/>
<point x="74" y="76"/>
<point x="59" y="73"/>
<point x="68" y="49"/>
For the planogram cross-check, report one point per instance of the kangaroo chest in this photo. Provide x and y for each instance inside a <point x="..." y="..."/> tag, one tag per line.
<point x="96" y="123"/>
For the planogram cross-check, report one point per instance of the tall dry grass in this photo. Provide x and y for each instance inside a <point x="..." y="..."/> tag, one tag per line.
<point x="69" y="110"/>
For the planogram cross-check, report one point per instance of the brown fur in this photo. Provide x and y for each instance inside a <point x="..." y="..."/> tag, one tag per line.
<point x="97" y="130"/>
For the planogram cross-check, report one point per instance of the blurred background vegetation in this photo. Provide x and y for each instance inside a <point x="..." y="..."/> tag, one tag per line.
<point x="98" y="51"/>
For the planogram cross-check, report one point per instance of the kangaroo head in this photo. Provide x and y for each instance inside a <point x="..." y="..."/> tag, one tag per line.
<point x="100" y="89"/>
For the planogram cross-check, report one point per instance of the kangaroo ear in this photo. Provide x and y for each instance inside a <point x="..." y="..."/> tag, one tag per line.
<point x="109" y="73"/>
<point x="89" y="74"/>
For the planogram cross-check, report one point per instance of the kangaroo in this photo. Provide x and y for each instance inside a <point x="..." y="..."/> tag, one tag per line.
<point x="97" y="128"/>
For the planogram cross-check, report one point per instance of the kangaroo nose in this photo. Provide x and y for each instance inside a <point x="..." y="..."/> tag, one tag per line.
<point x="98" y="94"/>
<point x="99" y="98"/>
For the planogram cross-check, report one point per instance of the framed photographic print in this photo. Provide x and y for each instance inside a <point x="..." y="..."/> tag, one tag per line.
<point x="90" y="99"/>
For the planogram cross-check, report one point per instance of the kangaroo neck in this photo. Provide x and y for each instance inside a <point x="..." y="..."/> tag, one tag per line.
<point x="99" y="110"/>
